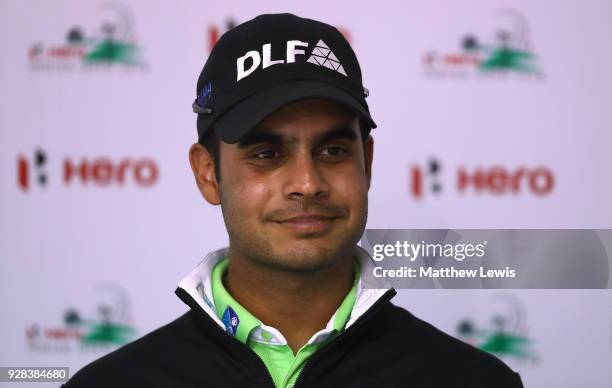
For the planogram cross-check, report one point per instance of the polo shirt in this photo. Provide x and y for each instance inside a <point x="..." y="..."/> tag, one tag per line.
<point x="269" y="343"/>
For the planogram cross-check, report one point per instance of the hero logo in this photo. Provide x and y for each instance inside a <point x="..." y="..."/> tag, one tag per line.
<point x="496" y="180"/>
<point x="101" y="171"/>
<point x="321" y="56"/>
<point x="23" y="169"/>
<point x="104" y="172"/>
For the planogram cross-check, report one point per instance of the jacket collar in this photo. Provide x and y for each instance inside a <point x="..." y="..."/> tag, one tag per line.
<point x="197" y="284"/>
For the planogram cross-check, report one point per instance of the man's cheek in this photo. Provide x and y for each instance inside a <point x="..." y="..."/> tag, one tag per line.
<point x="257" y="190"/>
<point x="352" y="182"/>
<point x="251" y="198"/>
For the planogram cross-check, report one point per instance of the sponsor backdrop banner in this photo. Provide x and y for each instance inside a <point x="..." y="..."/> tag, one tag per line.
<point x="492" y="115"/>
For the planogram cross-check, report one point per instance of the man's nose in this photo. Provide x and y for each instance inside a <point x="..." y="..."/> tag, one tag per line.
<point x="305" y="179"/>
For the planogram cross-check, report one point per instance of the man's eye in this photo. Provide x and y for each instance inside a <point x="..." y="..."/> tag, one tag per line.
<point x="333" y="151"/>
<point x="266" y="154"/>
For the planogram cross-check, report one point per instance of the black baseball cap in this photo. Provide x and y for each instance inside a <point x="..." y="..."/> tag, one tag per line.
<point x="268" y="62"/>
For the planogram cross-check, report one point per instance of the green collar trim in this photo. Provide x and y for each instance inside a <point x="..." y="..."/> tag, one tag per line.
<point x="225" y="302"/>
<point x="239" y="322"/>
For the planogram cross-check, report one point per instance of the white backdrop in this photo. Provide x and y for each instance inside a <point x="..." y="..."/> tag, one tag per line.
<point x="114" y="239"/>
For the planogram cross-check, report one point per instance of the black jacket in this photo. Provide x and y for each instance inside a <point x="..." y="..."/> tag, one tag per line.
<point x="385" y="347"/>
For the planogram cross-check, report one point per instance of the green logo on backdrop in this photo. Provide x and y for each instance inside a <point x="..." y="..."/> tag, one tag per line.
<point x="505" y="334"/>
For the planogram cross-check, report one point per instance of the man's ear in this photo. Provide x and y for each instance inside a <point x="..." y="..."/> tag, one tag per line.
<point x="368" y="150"/>
<point x="203" y="167"/>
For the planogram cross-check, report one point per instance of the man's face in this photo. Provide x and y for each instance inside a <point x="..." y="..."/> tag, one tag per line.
<point x="294" y="191"/>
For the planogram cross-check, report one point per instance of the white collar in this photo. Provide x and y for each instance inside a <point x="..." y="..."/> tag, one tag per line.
<point x="369" y="290"/>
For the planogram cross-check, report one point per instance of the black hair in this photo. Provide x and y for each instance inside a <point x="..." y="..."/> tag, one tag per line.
<point x="212" y="143"/>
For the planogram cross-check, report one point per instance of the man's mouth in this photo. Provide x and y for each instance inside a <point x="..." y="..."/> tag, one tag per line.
<point x="308" y="223"/>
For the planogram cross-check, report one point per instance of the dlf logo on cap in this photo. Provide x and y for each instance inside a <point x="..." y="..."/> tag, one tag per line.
<point x="270" y="61"/>
<point x="321" y="55"/>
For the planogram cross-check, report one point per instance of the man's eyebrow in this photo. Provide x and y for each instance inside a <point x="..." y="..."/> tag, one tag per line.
<point x="342" y="132"/>
<point x="256" y="137"/>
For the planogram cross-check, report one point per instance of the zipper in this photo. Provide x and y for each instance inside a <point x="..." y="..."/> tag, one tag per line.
<point x="187" y="299"/>
<point x="358" y="323"/>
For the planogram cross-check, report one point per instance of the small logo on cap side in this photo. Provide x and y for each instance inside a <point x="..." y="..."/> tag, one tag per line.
<point x="205" y="94"/>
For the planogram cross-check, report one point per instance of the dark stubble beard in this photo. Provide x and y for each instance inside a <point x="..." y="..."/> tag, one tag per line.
<point x="258" y="247"/>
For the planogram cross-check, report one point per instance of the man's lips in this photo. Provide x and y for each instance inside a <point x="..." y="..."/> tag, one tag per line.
<point x="308" y="223"/>
<point x="308" y="218"/>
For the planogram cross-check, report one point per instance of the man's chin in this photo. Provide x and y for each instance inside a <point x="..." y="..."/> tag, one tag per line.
<point x="305" y="257"/>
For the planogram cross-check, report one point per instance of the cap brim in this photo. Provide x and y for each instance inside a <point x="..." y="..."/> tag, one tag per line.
<point x="244" y="116"/>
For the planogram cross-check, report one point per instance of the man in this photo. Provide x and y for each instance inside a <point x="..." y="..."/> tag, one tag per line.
<point x="284" y="148"/>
